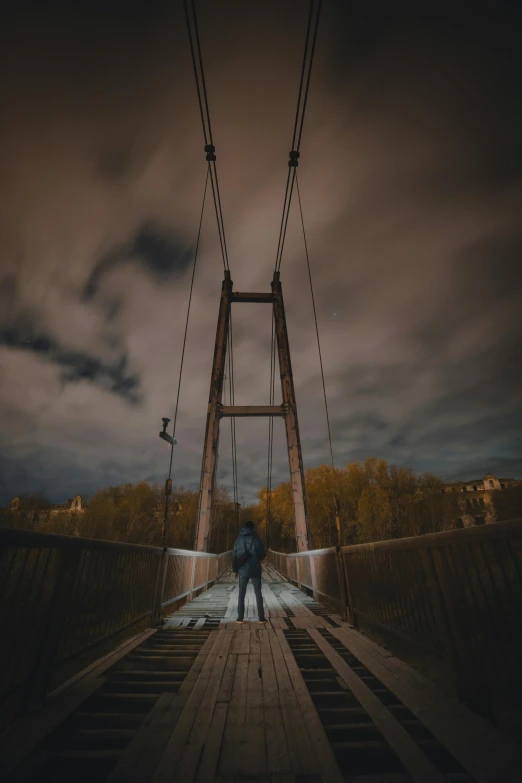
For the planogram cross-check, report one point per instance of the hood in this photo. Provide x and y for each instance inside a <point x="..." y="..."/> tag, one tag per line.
<point x="245" y="531"/>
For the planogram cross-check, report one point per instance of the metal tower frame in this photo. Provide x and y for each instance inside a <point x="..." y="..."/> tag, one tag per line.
<point x="217" y="411"/>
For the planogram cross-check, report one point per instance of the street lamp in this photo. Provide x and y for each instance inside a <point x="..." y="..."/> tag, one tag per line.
<point x="165" y="435"/>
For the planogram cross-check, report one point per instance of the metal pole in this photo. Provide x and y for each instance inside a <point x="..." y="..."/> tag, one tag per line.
<point x="295" y="458"/>
<point x="210" y="449"/>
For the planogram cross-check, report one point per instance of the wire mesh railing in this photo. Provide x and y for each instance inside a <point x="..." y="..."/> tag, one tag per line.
<point x="61" y="597"/>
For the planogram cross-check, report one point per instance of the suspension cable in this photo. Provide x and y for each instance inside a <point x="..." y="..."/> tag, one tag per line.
<point x="334" y="473"/>
<point x="169" y="479"/>
<point x="302" y="100"/>
<point x="210" y="150"/>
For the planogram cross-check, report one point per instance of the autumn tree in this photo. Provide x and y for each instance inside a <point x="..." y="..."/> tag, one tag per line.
<point x="377" y="501"/>
<point x="32" y="509"/>
<point x="130" y="513"/>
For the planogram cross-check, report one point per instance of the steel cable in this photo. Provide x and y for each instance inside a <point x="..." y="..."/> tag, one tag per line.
<point x="164" y="531"/>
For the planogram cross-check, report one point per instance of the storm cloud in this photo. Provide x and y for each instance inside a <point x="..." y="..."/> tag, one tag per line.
<point x="411" y="181"/>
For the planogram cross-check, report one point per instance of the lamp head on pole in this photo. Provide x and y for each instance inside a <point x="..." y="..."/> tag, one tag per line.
<point x="164" y="434"/>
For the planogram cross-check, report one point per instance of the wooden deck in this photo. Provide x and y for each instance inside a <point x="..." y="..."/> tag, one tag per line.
<point x="302" y="699"/>
<point x="247" y="712"/>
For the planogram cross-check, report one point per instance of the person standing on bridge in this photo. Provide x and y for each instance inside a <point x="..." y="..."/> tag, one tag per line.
<point x="247" y="555"/>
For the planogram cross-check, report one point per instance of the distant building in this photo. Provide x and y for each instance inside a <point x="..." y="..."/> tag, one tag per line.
<point x="476" y="498"/>
<point x="73" y="504"/>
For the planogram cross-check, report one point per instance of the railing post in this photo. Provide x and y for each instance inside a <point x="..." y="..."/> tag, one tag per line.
<point x="157" y="613"/>
<point x="349" y="594"/>
<point x="193" y="573"/>
<point x="343" y="586"/>
<point x="60" y="605"/>
<point x="314" y="577"/>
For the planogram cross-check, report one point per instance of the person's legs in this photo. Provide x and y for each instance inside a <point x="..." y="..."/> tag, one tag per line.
<point x="243" y="581"/>
<point x="256" y="584"/>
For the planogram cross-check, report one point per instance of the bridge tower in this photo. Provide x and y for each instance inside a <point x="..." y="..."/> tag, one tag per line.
<point x="217" y="411"/>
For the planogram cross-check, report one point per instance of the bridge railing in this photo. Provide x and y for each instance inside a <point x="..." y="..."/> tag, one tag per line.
<point x="316" y="570"/>
<point x="61" y="597"/>
<point x="455" y="593"/>
<point x="187" y="572"/>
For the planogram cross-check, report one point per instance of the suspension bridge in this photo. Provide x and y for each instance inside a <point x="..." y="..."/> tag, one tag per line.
<point x="124" y="663"/>
<point x="121" y="662"/>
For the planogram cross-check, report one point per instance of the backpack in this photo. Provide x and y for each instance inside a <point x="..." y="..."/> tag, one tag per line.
<point x="245" y="557"/>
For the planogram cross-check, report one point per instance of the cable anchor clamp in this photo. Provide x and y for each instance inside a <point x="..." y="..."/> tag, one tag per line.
<point x="210" y="150"/>
<point x="294" y="159"/>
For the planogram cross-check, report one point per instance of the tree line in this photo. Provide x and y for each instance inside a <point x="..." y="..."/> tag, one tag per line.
<point x="376" y="501"/>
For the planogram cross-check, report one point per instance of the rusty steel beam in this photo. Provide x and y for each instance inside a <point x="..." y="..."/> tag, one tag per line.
<point x="293" y="440"/>
<point x="210" y="449"/>
<point x="216" y="411"/>
<point x="245" y="297"/>
<point x="252" y="410"/>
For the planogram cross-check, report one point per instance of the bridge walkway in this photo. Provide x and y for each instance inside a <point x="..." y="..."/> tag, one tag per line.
<point x="303" y="699"/>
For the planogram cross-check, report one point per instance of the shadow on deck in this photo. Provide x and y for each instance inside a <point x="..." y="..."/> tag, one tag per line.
<point x="303" y="699"/>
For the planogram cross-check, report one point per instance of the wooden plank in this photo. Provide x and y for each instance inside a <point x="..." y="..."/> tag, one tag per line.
<point x="372" y="646"/>
<point x="326" y="760"/>
<point x="237" y="641"/>
<point x="19" y="741"/>
<point x="188" y="765"/>
<point x="200" y="623"/>
<point x="341" y="621"/>
<point x="306" y="618"/>
<point x="147" y="745"/>
<point x="485" y="753"/>
<point x="235" y="646"/>
<point x="302" y="757"/>
<point x="174" y="622"/>
<point x="143" y="753"/>
<point x="100" y="665"/>
<point x="174" y="750"/>
<point x="274" y="607"/>
<point x="202" y="721"/>
<point x="278" y="759"/>
<point x="231" y="610"/>
<point x="404" y="746"/>
<point x="267" y="600"/>
<point x="255" y="741"/>
<point x="290" y="599"/>
<point x="227" y="682"/>
<point x="244" y="634"/>
<point x="209" y="761"/>
<point x="231" y="761"/>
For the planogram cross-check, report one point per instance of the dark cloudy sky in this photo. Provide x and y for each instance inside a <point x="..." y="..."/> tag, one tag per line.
<point x="411" y="177"/>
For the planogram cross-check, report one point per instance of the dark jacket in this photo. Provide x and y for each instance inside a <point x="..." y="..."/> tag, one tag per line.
<point x="249" y="541"/>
